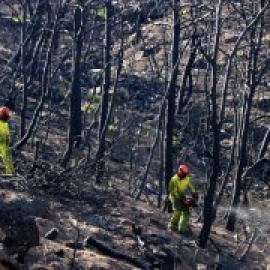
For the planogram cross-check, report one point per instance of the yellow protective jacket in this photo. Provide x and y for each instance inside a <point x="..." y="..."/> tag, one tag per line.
<point x="179" y="188"/>
<point x="4" y="132"/>
<point x="5" y="151"/>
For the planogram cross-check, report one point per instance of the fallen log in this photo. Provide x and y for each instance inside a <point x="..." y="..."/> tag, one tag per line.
<point x="112" y="252"/>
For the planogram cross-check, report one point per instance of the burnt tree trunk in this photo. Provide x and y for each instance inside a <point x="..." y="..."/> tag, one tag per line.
<point x="240" y="167"/>
<point x="253" y="81"/>
<point x="50" y="35"/>
<point x="186" y="88"/>
<point x="171" y="103"/>
<point x="24" y="100"/>
<point x="75" y="115"/>
<point x="105" y="94"/>
<point x="208" y="211"/>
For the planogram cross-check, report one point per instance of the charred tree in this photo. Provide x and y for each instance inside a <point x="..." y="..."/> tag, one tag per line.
<point x="75" y="114"/>
<point x="49" y="35"/>
<point x="187" y="82"/>
<point x="105" y="94"/>
<point x="208" y="211"/>
<point x="24" y="79"/>
<point x="253" y="77"/>
<point x="171" y="97"/>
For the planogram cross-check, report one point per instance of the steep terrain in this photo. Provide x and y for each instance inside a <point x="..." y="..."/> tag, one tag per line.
<point x="88" y="216"/>
<point x="84" y="226"/>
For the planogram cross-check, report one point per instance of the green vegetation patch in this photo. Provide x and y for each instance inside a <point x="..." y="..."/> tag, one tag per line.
<point x="221" y="64"/>
<point x="88" y="107"/>
<point x="145" y="129"/>
<point x="176" y="142"/>
<point x="92" y="103"/>
<point x="100" y="13"/>
<point x="240" y="54"/>
<point x="94" y="98"/>
<point x="185" y="12"/>
<point x="112" y="127"/>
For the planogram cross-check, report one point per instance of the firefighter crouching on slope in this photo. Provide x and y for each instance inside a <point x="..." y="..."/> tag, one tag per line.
<point x="179" y="187"/>
<point x="5" y="151"/>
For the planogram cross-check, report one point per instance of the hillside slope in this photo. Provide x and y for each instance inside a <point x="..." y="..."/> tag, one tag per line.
<point x="113" y="219"/>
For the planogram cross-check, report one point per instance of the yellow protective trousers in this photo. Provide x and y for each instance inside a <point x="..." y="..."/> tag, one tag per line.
<point x="5" y="151"/>
<point x="179" y="220"/>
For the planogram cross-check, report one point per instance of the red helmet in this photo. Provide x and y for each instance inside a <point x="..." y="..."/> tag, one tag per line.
<point x="183" y="171"/>
<point x="5" y="113"/>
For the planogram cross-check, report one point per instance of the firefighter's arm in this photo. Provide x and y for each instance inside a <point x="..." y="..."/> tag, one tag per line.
<point x="172" y="190"/>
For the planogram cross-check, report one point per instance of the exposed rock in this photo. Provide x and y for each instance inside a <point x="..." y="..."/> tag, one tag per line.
<point x="6" y="262"/>
<point x="60" y="253"/>
<point x="20" y="232"/>
<point x="27" y="206"/>
<point x="52" y="234"/>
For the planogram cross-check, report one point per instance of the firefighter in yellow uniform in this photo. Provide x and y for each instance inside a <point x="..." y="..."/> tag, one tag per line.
<point x="5" y="151"/>
<point x="179" y="187"/>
